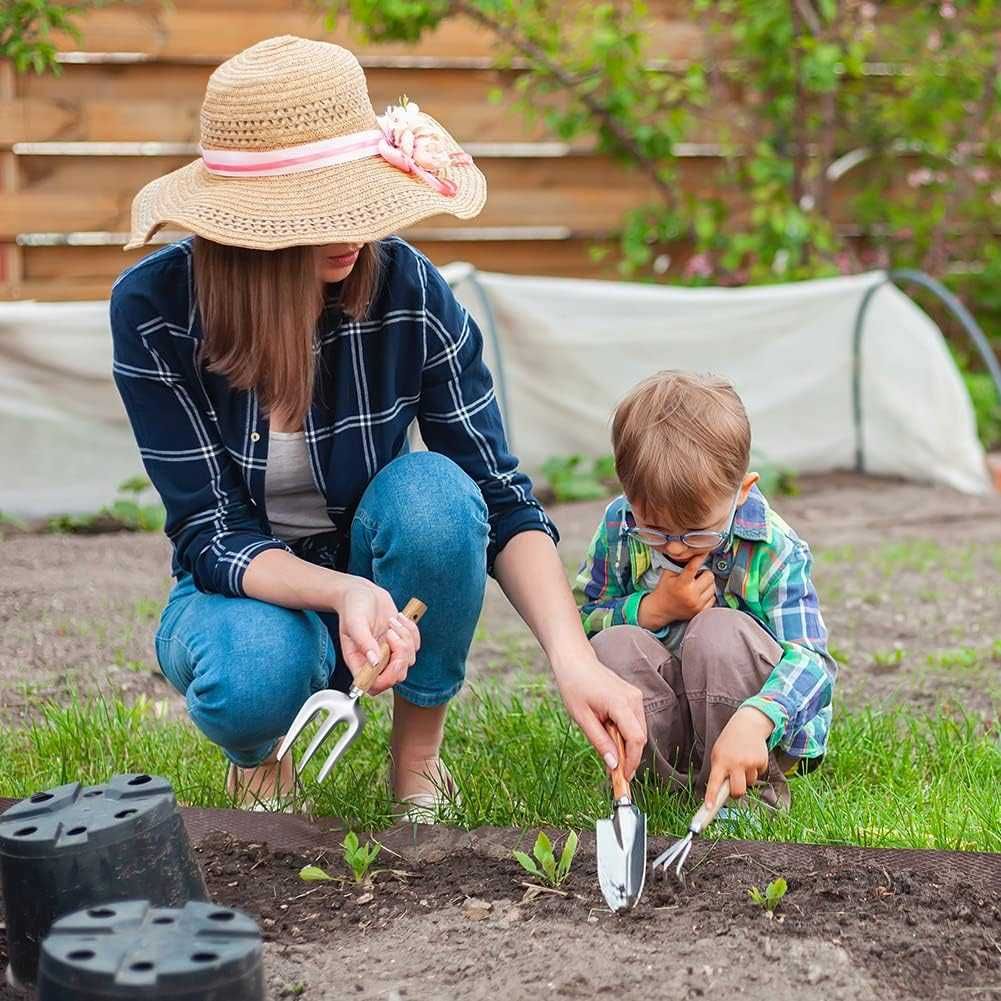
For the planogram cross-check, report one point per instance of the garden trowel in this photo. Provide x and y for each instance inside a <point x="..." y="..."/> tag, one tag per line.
<point x="621" y="841"/>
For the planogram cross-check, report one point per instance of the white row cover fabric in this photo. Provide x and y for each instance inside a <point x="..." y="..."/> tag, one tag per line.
<point x="65" y="442"/>
<point x="570" y="349"/>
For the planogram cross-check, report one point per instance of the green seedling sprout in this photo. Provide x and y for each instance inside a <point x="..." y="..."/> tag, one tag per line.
<point x="359" y="857"/>
<point x="314" y="874"/>
<point x="548" y="869"/>
<point x="773" y="894"/>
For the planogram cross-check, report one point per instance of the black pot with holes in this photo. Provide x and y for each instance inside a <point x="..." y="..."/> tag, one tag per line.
<point x="77" y="847"/>
<point x="132" y="950"/>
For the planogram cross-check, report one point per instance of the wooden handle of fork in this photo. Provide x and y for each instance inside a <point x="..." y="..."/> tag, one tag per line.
<point x="363" y="680"/>
<point x="620" y="784"/>
<point x="707" y="814"/>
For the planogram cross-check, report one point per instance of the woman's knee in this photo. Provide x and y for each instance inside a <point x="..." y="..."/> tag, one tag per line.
<point x="259" y="665"/>
<point x="425" y="490"/>
<point x="425" y="501"/>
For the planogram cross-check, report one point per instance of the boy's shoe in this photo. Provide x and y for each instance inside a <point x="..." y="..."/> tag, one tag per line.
<point x="748" y="812"/>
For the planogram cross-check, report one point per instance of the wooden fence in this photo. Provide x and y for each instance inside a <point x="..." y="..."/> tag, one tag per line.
<point x="75" y="148"/>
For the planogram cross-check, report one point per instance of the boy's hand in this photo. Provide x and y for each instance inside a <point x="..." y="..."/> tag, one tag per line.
<point x="740" y="753"/>
<point x="678" y="597"/>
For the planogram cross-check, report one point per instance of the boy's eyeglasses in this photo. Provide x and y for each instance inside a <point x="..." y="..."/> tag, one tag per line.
<point x="693" y="540"/>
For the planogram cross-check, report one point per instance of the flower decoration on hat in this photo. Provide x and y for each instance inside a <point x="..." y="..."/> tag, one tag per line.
<point x="416" y="146"/>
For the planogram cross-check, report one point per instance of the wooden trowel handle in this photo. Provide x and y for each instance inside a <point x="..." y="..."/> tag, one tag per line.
<point x="413" y="610"/>
<point x="620" y="784"/>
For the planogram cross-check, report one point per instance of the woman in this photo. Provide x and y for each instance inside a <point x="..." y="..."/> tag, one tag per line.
<point x="270" y="367"/>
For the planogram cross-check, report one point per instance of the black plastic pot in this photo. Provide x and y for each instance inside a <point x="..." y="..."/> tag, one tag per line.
<point x="78" y="846"/>
<point x="132" y="950"/>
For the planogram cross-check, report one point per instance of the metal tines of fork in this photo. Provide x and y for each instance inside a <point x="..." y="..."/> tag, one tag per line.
<point x="677" y="854"/>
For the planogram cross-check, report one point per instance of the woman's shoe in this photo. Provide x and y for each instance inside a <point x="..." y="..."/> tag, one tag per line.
<point x="427" y="807"/>
<point x="247" y="799"/>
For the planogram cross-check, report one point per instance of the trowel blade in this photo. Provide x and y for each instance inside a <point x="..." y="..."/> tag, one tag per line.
<point x="621" y="854"/>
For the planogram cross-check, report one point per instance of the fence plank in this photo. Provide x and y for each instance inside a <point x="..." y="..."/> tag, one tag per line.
<point x="206" y="33"/>
<point x="584" y="193"/>
<point x="66" y="273"/>
<point x="114" y="103"/>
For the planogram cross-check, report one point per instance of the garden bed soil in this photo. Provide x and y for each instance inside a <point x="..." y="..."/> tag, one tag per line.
<point x="455" y="917"/>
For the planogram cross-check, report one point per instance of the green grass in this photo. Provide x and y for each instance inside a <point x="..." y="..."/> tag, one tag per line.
<point x="890" y="779"/>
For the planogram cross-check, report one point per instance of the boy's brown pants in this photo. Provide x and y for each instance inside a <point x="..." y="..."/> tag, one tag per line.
<point x="725" y="658"/>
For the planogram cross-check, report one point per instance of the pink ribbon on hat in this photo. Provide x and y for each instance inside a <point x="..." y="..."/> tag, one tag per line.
<point x="405" y="139"/>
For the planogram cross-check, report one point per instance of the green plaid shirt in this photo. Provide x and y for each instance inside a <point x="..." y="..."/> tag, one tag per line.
<point x="769" y="578"/>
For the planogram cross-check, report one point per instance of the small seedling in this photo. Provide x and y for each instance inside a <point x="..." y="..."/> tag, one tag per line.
<point x="314" y="874"/>
<point x="773" y="894"/>
<point x="548" y="869"/>
<point x="359" y="857"/>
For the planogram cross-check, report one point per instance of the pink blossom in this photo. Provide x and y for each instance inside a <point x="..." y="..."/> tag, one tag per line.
<point x="947" y="10"/>
<point x="415" y="136"/>
<point x="699" y="266"/>
<point x="980" y="175"/>
<point x="868" y="11"/>
<point x="920" y="178"/>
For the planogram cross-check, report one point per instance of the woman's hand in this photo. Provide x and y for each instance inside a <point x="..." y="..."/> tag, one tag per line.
<point x="594" y="695"/>
<point x="740" y="753"/>
<point x="366" y="611"/>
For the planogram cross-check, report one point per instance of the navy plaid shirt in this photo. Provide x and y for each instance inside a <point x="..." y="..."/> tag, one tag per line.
<point x="205" y="445"/>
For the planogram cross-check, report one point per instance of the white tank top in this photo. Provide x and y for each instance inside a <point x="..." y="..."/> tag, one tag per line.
<point x="294" y="506"/>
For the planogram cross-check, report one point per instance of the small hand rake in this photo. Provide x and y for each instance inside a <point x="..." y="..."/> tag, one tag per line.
<point x="342" y="708"/>
<point x="678" y="852"/>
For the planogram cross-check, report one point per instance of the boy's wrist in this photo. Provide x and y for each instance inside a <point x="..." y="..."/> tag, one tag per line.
<point x="650" y="614"/>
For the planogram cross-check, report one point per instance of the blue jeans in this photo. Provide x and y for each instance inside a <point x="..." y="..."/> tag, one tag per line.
<point x="246" y="666"/>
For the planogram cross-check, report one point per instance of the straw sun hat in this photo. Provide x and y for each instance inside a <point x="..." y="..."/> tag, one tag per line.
<point x="293" y="153"/>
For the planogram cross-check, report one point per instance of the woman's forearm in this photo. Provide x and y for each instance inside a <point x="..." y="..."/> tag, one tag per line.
<point x="529" y="570"/>
<point x="278" y="577"/>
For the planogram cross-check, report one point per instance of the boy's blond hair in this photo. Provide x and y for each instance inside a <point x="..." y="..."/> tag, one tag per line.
<point x="682" y="442"/>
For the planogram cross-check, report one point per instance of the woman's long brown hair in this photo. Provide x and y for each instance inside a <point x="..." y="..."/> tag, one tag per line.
<point x="259" y="310"/>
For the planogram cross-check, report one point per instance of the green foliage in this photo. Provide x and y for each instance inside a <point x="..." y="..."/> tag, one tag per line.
<point x="986" y="405"/>
<point x="772" y="896"/>
<point x="548" y="868"/>
<point x="572" y="478"/>
<point x="27" y="27"/>
<point x="775" y="481"/>
<point x="520" y="762"/>
<point x="127" y="513"/>
<point x="359" y="857"/>
<point x="314" y="874"/>
<point x="890" y="109"/>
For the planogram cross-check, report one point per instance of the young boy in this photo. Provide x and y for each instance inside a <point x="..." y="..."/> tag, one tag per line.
<point x="700" y="595"/>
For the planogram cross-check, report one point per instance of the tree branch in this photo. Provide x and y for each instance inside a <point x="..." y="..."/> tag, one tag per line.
<point x="608" y="120"/>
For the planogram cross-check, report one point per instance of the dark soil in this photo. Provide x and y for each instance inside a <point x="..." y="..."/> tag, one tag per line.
<point x="439" y="923"/>
<point x="899" y="929"/>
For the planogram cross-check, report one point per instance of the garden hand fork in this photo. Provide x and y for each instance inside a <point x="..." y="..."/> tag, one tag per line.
<point x="678" y="852"/>
<point x="342" y="708"/>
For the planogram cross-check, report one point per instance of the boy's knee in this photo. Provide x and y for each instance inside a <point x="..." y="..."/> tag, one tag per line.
<point x="723" y="649"/>
<point x="629" y="650"/>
